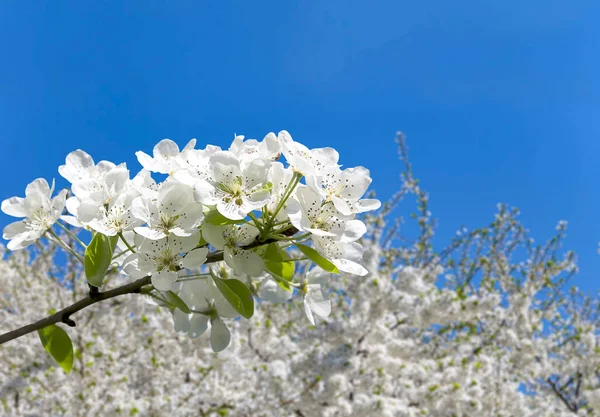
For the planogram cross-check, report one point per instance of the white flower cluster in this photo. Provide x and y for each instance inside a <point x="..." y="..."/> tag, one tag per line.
<point x="241" y="203"/>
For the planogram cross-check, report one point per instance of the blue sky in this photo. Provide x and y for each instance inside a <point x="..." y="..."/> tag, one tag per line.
<point x="499" y="100"/>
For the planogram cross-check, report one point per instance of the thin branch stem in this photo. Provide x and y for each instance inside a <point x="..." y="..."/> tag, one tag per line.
<point x="73" y="235"/>
<point x="60" y="242"/>
<point x="125" y="242"/>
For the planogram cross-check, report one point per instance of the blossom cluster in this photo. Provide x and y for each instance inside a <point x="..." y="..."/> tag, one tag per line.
<point x="240" y="205"/>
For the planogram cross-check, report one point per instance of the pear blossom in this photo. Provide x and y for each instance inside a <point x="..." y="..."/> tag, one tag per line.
<point x="114" y="218"/>
<point x="197" y="165"/>
<point x="39" y="209"/>
<point x="173" y="212"/>
<point x="93" y="194"/>
<point x="272" y="292"/>
<point x="79" y="166"/>
<point x="229" y="239"/>
<point x="164" y="258"/>
<point x="346" y="256"/>
<point x="315" y="297"/>
<point x="207" y="305"/>
<point x="308" y="213"/>
<point x="166" y="158"/>
<point x="235" y="189"/>
<point x="304" y="160"/>
<point x="145" y="185"/>
<point x="345" y="189"/>
<point x="251" y="149"/>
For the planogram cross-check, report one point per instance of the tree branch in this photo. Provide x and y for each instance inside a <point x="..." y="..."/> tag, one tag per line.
<point x="63" y="316"/>
<point x="95" y="296"/>
<point x="559" y="394"/>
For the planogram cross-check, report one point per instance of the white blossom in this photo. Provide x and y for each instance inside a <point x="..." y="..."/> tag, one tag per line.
<point x="39" y="209"/>
<point x="163" y="258"/>
<point x="167" y="158"/>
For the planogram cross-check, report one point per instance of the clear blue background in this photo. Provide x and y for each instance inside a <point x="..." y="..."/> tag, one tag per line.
<point x="499" y="99"/>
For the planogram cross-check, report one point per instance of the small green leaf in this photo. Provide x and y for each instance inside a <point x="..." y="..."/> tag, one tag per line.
<point x="98" y="256"/>
<point x="58" y="344"/>
<point x="277" y="262"/>
<point x="237" y="294"/>
<point x="178" y="302"/>
<point x="215" y="218"/>
<point x="314" y="256"/>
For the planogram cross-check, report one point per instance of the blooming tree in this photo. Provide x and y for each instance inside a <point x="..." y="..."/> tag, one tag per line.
<point x="487" y="326"/>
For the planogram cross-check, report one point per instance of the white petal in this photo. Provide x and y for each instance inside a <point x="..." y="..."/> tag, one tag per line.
<point x="195" y="258"/>
<point x="354" y="230"/>
<point x="163" y="280"/>
<point x="142" y="208"/>
<point x="71" y="220"/>
<point x="198" y="325"/>
<point x="58" y="202"/>
<point x="87" y="212"/>
<point x="226" y="167"/>
<point x="148" y="233"/>
<point x="145" y="160"/>
<point x="190" y="145"/>
<point x="14" y="207"/>
<point x="309" y="200"/>
<point x="20" y="242"/>
<point x="76" y="165"/>
<point x="350" y="267"/>
<point x="193" y="215"/>
<point x="308" y="312"/>
<point x="204" y="193"/>
<point x="294" y="212"/>
<point x="328" y="157"/>
<point x="173" y="197"/>
<point x="341" y="206"/>
<point x="319" y="303"/>
<point x="270" y="147"/>
<point x="72" y="205"/>
<point x="219" y="334"/>
<point x="214" y="234"/>
<point x="244" y="261"/>
<point x="186" y="176"/>
<point x="230" y="210"/>
<point x="272" y="292"/>
<point x="165" y="148"/>
<point x="14" y="229"/>
<point x="256" y="200"/>
<point x="367" y="204"/>
<point x="184" y="244"/>
<point x="131" y="266"/>
<point x="38" y="186"/>
<point x="181" y="321"/>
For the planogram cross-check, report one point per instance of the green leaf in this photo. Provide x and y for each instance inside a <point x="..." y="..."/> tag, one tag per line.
<point x="215" y="218"/>
<point x="58" y="344"/>
<point x="98" y="256"/>
<point x="178" y="302"/>
<point x="237" y="294"/>
<point x="314" y="256"/>
<point x="277" y="262"/>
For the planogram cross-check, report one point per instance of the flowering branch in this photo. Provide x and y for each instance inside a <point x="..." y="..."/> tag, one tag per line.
<point x="64" y="315"/>
<point x="214" y="206"/>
